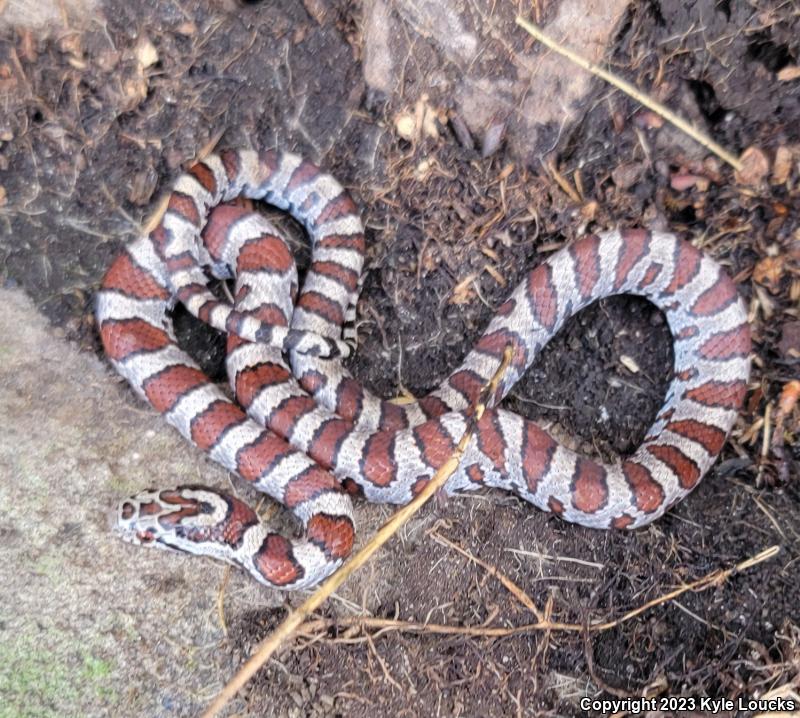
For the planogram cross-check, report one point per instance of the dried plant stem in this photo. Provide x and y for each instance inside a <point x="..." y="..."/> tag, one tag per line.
<point x="629" y="89"/>
<point x="384" y="625"/>
<point x="285" y="630"/>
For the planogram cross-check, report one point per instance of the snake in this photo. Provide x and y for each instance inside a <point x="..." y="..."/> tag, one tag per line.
<point x="297" y="426"/>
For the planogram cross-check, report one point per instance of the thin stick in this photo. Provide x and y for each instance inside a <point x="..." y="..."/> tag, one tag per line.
<point x="629" y="89"/>
<point x="715" y="578"/>
<point x="511" y="587"/>
<point x="384" y="625"/>
<point x="221" y="599"/>
<point x="272" y="642"/>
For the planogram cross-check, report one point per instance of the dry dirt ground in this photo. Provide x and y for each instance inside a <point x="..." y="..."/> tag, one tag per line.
<point x="474" y="153"/>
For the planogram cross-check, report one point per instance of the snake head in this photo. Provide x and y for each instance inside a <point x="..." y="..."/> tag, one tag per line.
<point x="189" y="519"/>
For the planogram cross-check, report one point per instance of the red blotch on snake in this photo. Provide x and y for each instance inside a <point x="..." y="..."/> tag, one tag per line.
<point x="538" y="448"/>
<point x="164" y="389"/>
<point x="276" y="562"/>
<point x="209" y="426"/>
<point x="648" y="494"/>
<point x="542" y="296"/>
<point x="718" y="394"/>
<point x="589" y="486"/>
<point x="709" y="437"/>
<point x="685" y="469"/>
<point x="333" y="534"/>
<point x="715" y="298"/>
<point x="121" y="338"/>
<point x="312" y="482"/>
<point x="727" y="345"/>
<point x="127" y="277"/>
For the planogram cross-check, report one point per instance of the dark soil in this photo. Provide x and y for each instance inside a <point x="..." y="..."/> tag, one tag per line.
<point x="85" y="154"/>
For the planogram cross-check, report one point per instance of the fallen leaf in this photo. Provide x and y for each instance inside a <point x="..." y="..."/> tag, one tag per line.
<point x="134" y="91"/>
<point x="505" y="173"/>
<point x="789" y="397"/>
<point x="186" y="29"/>
<point x="789" y="345"/>
<point x="430" y="120"/>
<point x="789" y="73"/>
<point x="142" y="186"/>
<point x="495" y="275"/>
<point x="493" y="137"/>
<point x="71" y="44"/>
<point x="462" y="131"/>
<point x="764" y="304"/>
<point x="648" y="120"/>
<point x="626" y="175"/>
<point x="27" y="45"/>
<point x="8" y="82"/>
<point x="782" y="166"/>
<point x="681" y="182"/>
<point x="589" y="210"/>
<point x="755" y="166"/>
<point x="769" y="272"/>
<point x="463" y="292"/>
<point x="629" y="363"/>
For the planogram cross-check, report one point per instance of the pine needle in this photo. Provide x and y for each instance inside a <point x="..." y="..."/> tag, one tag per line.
<point x="629" y="89"/>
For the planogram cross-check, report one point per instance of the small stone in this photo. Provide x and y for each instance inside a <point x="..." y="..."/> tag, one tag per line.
<point x="145" y="53"/>
<point x="423" y="170"/>
<point x="405" y="126"/>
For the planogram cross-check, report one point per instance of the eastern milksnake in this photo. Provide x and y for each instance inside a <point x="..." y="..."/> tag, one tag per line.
<point x="305" y="432"/>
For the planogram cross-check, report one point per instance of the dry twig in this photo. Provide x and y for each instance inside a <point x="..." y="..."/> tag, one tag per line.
<point x="630" y="90"/>
<point x="385" y="625"/>
<point x="293" y="621"/>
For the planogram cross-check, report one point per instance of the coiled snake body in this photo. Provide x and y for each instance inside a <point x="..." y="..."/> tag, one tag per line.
<point x="303" y="430"/>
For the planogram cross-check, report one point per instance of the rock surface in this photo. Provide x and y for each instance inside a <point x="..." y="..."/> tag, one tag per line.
<point x="89" y="625"/>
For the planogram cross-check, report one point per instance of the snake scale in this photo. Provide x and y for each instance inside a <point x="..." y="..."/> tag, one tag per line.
<point x="302" y="430"/>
